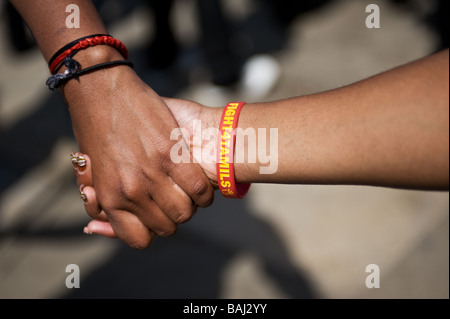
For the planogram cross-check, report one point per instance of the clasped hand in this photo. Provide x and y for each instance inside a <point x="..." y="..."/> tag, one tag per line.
<point x="132" y="189"/>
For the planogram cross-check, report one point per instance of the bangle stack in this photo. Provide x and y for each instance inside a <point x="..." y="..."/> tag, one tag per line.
<point x="64" y="56"/>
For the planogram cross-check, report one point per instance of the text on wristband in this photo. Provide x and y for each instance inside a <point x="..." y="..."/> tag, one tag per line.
<point x="253" y="145"/>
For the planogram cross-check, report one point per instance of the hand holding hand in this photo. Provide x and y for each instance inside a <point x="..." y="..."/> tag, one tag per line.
<point x="184" y="112"/>
<point x="126" y="132"/>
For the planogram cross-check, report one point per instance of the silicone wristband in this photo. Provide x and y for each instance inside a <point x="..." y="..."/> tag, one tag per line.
<point x="225" y="153"/>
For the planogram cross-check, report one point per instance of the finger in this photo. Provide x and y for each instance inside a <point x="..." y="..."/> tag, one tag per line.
<point x="175" y="204"/>
<point x="139" y="200"/>
<point x="82" y="169"/>
<point x="102" y="228"/>
<point x="130" y="229"/>
<point x="155" y="219"/>
<point x="91" y="205"/>
<point x="193" y="181"/>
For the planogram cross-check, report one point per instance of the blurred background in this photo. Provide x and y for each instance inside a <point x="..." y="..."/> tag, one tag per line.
<point x="281" y="241"/>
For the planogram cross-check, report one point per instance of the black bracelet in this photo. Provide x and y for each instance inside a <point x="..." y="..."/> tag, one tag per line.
<point x="73" y="71"/>
<point x="70" y="45"/>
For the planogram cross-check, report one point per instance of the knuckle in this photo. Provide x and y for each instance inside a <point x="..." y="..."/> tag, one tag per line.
<point x="130" y="191"/>
<point x="167" y="232"/>
<point x="184" y="215"/>
<point x="110" y="204"/>
<point x="183" y="218"/>
<point x="140" y="244"/>
<point x="120" y="197"/>
<point x="200" y="188"/>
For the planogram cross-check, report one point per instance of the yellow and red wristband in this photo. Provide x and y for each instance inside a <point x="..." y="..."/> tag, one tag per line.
<point x="226" y="151"/>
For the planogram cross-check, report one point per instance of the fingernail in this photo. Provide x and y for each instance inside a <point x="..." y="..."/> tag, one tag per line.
<point x="81" y="161"/>
<point x="83" y="195"/>
<point x="87" y="232"/>
<point x="74" y="159"/>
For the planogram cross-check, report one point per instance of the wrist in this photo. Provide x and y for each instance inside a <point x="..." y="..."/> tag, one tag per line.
<point x="204" y="143"/>
<point x="89" y="85"/>
<point x="97" y="54"/>
<point x="253" y="144"/>
<point x="226" y="152"/>
<point x="210" y="118"/>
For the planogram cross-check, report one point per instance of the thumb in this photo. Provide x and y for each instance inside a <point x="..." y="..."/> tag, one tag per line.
<point x="184" y="111"/>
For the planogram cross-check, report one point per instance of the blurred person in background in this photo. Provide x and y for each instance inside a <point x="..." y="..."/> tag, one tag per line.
<point x="258" y="36"/>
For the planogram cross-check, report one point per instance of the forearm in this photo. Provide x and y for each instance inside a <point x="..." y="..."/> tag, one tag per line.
<point x="389" y="130"/>
<point x="47" y="21"/>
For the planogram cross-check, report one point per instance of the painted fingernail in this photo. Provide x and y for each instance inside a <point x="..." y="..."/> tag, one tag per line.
<point x="74" y="159"/>
<point x="81" y="161"/>
<point x="83" y="195"/>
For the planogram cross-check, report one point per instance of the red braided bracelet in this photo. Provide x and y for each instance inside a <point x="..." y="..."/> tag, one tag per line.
<point x="84" y="43"/>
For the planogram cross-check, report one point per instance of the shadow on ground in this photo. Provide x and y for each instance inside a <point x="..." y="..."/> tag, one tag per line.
<point x="191" y="263"/>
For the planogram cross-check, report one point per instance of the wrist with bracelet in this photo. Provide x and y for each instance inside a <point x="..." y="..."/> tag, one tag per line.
<point x="65" y="56"/>
<point x="228" y="124"/>
<point x="226" y="153"/>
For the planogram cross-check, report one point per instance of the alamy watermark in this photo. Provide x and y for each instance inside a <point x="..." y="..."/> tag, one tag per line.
<point x="73" y="279"/>
<point x="373" y="19"/>
<point x="252" y="146"/>
<point x="373" y="280"/>
<point x="73" y="19"/>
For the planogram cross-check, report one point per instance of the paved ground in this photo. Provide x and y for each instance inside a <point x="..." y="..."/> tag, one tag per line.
<point x="280" y="242"/>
